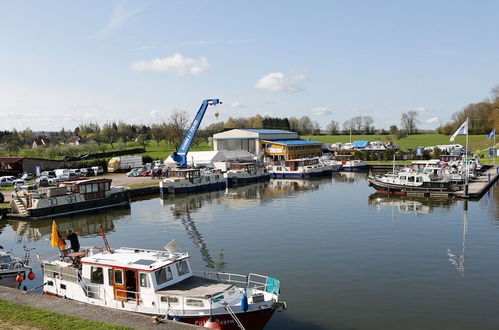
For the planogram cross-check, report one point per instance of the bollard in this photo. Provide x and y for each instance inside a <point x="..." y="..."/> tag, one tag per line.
<point x="466" y="190"/>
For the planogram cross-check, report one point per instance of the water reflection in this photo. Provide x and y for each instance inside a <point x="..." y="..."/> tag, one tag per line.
<point x="350" y="177"/>
<point x="409" y="204"/>
<point x="84" y="224"/>
<point x="458" y="261"/>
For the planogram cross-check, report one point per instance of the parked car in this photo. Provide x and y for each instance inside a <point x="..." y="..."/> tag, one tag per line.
<point x="20" y="182"/>
<point x="49" y="174"/>
<point x="75" y="171"/>
<point x="7" y="181"/>
<point x="42" y="181"/>
<point x="98" y="170"/>
<point x="27" y="176"/>
<point x="53" y="180"/>
<point x="87" y="171"/>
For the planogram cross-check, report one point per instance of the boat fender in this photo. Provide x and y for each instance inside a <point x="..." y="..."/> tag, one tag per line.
<point x="19" y="278"/>
<point x="244" y="302"/>
<point x="212" y="324"/>
<point x="177" y="319"/>
<point x="31" y="276"/>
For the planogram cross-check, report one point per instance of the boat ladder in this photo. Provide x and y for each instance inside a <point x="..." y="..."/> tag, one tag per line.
<point x="231" y="313"/>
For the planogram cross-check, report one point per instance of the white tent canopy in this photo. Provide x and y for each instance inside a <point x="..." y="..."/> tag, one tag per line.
<point x="207" y="158"/>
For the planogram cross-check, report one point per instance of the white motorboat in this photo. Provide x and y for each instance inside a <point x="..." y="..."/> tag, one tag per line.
<point x="354" y="165"/>
<point x="14" y="270"/>
<point x="186" y="180"/>
<point x="161" y="282"/>
<point x="299" y="169"/>
<point x="243" y="173"/>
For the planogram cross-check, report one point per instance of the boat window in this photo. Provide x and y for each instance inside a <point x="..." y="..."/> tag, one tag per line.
<point x="118" y="276"/>
<point x="410" y="179"/>
<point x="110" y="277"/>
<point x="97" y="275"/>
<point x="171" y="300"/>
<point x="419" y="179"/>
<point x="52" y="201"/>
<point x="163" y="275"/>
<point x="5" y="259"/>
<point x="95" y="187"/>
<point x="402" y="178"/>
<point x="107" y="185"/>
<point x="83" y="189"/>
<point x="182" y="268"/>
<point x="194" y="302"/>
<point x="143" y="280"/>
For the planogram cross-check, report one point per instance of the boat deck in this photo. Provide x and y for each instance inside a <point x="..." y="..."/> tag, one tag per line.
<point x="196" y="287"/>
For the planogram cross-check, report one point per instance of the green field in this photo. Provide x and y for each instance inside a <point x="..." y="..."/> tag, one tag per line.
<point x="19" y="317"/>
<point x="476" y="142"/>
<point x="159" y="152"/>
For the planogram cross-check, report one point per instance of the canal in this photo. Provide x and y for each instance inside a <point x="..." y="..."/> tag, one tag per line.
<point x="347" y="259"/>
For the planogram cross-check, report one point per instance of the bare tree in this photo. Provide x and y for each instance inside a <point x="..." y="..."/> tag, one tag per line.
<point x="409" y="122"/>
<point x="494" y="92"/>
<point x="125" y="132"/>
<point x="367" y="122"/>
<point x="177" y="126"/>
<point x="333" y="127"/>
<point x="158" y="132"/>
<point x="306" y="126"/>
<point x="348" y="126"/>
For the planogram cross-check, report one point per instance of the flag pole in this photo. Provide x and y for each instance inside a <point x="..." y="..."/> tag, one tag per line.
<point x="467" y="173"/>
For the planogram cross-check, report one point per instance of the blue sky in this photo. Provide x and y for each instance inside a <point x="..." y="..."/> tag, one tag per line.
<point x="63" y="63"/>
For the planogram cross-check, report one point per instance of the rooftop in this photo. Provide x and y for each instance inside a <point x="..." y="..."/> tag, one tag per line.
<point x="294" y="142"/>
<point x="266" y="131"/>
<point x="147" y="260"/>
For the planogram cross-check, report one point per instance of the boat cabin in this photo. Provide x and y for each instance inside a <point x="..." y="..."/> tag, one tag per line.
<point x="90" y="189"/>
<point x="293" y="164"/>
<point x="242" y="166"/>
<point x="188" y="174"/>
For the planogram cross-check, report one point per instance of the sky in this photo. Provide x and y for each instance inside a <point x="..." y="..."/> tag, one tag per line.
<point x="63" y="63"/>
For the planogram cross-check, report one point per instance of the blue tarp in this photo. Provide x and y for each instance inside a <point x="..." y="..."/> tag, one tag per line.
<point x="272" y="285"/>
<point x="360" y="144"/>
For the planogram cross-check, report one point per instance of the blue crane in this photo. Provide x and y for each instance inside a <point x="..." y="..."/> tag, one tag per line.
<point x="180" y="156"/>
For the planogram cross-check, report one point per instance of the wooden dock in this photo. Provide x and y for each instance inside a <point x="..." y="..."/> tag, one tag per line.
<point x="477" y="188"/>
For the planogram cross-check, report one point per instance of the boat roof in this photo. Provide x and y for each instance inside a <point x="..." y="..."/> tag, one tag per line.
<point x="86" y="181"/>
<point x="196" y="287"/>
<point x="292" y="142"/>
<point x="139" y="259"/>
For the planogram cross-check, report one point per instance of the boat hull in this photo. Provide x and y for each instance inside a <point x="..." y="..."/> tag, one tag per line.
<point x="384" y="187"/>
<point x="117" y="199"/>
<point x="8" y="278"/>
<point x="190" y="189"/>
<point x="238" y="181"/>
<point x="250" y="320"/>
<point x="361" y="168"/>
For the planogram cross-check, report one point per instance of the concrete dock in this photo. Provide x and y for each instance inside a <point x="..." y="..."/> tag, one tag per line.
<point x="481" y="185"/>
<point x="87" y="311"/>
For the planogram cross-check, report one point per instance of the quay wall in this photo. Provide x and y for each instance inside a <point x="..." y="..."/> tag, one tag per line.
<point x="88" y="311"/>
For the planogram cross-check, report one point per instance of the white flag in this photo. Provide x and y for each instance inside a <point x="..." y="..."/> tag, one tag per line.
<point x="462" y="130"/>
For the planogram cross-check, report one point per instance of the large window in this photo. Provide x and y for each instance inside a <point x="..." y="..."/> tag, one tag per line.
<point x="163" y="275"/>
<point x="182" y="268"/>
<point x="96" y="275"/>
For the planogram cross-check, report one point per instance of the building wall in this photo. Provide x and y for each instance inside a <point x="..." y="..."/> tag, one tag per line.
<point x="249" y="144"/>
<point x="278" y="151"/>
<point x="30" y="164"/>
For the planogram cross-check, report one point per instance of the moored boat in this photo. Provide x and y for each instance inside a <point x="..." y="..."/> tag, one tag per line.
<point x="162" y="283"/>
<point x="299" y="169"/>
<point x="406" y="181"/>
<point x="14" y="270"/>
<point x="186" y="180"/>
<point x="243" y="173"/>
<point x="68" y="198"/>
<point x="354" y="165"/>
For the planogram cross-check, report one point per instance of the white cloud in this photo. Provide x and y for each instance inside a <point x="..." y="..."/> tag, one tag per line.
<point x="418" y="109"/>
<point x="279" y="82"/>
<point x="176" y="64"/>
<point x="237" y="104"/>
<point x="321" y="111"/>
<point x="118" y="18"/>
<point x="154" y="113"/>
<point x="433" y="120"/>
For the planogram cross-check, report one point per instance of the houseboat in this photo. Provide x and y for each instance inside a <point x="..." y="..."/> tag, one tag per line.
<point x="243" y="173"/>
<point x="299" y="169"/>
<point x="14" y="270"/>
<point x="162" y="283"/>
<point x="68" y="198"/>
<point x="186" y="180"/>
<point x="410" y="181"/>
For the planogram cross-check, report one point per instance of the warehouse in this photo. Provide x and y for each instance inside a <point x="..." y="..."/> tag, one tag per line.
<point x="278" y="144"/>
<point x="12" y="165"/>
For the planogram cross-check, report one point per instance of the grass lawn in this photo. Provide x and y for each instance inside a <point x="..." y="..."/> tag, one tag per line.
<point x="159" y="152"/>
<point x="20" y="315"/>
<point x="476" y="142"/>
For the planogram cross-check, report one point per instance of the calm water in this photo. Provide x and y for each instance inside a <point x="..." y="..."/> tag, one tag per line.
<point x="346" y="259"/>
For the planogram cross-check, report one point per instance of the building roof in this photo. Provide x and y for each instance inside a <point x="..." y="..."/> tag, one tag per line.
<point x="294" y="142"/>
<point x="265" y="131"/>
<point x="10" y="160"/>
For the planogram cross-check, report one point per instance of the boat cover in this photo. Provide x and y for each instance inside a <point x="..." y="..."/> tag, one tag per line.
<point x="361" y="144"/>
<point x="196" y="287"/>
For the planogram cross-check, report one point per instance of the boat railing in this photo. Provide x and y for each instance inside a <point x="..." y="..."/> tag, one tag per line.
<point x="250" y="281"/>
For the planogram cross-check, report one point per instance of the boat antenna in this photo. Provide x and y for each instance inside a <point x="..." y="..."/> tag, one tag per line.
<point x="103" y="234"/>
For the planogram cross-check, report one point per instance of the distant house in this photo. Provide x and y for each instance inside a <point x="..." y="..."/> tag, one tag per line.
<point x="38" y="142"/>
<point x="75" y="140"/>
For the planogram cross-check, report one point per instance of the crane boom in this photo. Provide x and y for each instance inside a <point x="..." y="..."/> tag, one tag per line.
<point x="180" y="156"/>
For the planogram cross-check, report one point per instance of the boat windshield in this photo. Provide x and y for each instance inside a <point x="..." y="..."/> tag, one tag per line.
<point x="5" y="259"/>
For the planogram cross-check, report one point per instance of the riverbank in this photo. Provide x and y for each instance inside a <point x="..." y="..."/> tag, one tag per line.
<point x="43" y="312"/>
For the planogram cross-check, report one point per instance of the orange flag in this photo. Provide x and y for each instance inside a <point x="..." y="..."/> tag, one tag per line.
<point x="56" y="239"/>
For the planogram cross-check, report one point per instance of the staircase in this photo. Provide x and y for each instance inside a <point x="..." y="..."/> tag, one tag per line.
<point x="260" y="155"/>
<point x="19" y="206"/>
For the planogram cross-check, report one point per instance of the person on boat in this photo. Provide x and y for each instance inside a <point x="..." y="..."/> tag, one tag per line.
<point x="73" y="239"/>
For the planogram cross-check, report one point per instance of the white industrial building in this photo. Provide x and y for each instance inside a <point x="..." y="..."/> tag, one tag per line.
<point x="249" y="139"/>
<point x="209" y="158"/>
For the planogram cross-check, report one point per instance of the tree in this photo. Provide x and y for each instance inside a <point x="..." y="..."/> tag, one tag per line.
<point x="143" y="140"/>
<point x="333" y="127"/>
<point x="494" y="92"/>
<point x="409" y="122"/>
<point x="367" y="123"/>
<point x="125" y="132"/>
<point x="305" y="125"/>
<point x="158" y="132"/>
<point x="109" y="134"/>
<point x="393" y="129"/>
<point x="176" y="128"/>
